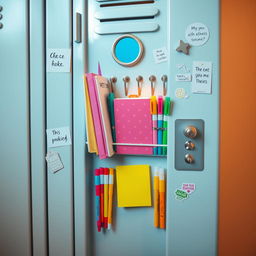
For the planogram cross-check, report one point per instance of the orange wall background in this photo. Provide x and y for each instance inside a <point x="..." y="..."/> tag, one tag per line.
<point x="237" y="206"/>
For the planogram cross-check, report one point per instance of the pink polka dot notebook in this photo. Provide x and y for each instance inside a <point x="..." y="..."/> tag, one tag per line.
<point x="133" y="123"/>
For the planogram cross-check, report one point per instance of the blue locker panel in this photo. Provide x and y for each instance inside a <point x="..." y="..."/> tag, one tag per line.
<point x="59" y="114"/>
<point x="37" y="127"/>
<point x="15" y="209"/>
<point x="193" y="223"/>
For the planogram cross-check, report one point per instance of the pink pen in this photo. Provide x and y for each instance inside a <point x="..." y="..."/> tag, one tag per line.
<point x="160" y="124"/>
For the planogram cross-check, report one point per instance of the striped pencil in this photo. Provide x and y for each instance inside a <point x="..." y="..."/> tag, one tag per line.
<point x="106" y="174"/>
<point x="102" y="196"/>
<point x="110" y="196"/>
<point x="97" y="193"/>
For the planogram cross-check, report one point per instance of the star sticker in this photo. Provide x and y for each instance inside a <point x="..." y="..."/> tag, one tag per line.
<point x="183" y="47"/>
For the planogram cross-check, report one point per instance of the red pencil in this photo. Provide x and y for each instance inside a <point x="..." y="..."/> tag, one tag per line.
<point x="102" y="196"/>
<point x="97" y="201"/>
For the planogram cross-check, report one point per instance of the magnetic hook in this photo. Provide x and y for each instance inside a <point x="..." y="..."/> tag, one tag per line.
<point x="152" y="79"/>
<point x="126" y="80"/>
<point x="139" y="80"/>
<point x="164" y="79"/>
<point x="113" y="80"/>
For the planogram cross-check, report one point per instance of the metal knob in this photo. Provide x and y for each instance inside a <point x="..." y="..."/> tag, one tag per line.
<point x="189" y="159"/>
<point x="190" y="132"/>
<point x="1" y="8"/>
<point x="1" y="25"/>
<point x="189" y="145"/>
<point x="1" y="16"/>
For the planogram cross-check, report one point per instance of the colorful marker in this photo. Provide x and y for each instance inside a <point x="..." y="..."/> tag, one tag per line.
<point x="167" y="107"/>
<point x="160" y="124"/>
<point x="162" y="197"/>
<point x="156" y="198"/>
<point x="153" y="112"/>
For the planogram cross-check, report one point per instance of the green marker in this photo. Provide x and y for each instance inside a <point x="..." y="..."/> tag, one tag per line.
<point x="167" y="111"/>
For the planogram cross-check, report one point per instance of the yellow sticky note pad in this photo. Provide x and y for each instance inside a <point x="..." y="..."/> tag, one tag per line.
<point x="133" y="186"/>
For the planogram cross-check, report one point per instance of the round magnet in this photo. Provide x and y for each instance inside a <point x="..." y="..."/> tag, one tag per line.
<point x="127" y="50"/>
<point x="180" y="93"/>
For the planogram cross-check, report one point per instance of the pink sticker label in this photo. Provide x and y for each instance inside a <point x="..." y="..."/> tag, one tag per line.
<point x="189" y="187"/>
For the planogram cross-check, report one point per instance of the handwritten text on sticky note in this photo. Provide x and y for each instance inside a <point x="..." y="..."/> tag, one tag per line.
<point x="58" y="137"/>
<point x="160" y="55"/>
<point x="202" y="77"/>
<point x="183" y="77"/>
<point x="58" y="60"/>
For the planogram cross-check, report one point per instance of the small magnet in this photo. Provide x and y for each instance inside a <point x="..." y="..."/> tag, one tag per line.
<point x="183" y="47"/>
<point x="180" y="93"/>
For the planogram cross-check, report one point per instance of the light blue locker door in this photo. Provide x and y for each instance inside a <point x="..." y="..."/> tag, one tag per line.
<point x="59" y="88"/>
<point x="191" y="224"/>
<point x="15" y="209"/>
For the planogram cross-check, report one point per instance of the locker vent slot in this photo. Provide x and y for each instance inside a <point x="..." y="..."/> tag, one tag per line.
<point x="128" y="18"/>
<point x="127" y="3"/>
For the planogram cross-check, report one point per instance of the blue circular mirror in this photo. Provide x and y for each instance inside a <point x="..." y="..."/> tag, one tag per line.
<point x="127" y="50"/>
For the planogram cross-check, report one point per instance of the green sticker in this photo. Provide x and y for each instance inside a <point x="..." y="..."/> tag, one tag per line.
<point x="181" y="194"/>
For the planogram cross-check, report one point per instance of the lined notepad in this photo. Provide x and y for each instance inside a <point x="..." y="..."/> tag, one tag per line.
<point x="133" y="123"/>
<point x="133" y="186"/>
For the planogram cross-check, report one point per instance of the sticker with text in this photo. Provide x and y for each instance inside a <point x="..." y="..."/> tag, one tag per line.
<point x="57" y="137"/>
<point x="188" y="187"/>
<point x="54" y="162"/>
<point x="183" y="78"/>
<point x="58" y="60"/>
<point x="197" y="34"/>
<point x="181" y="194"/>
<point x="160" y="55"/>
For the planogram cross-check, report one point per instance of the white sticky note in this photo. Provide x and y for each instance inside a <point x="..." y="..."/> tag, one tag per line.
<point x="54" y="162"/>
<point x="160" y="55"/>
<point x="197" y="34"/>
<point x="58" y="60"/>
<point x="57" y="137"/>
<point x="202" y="77"/>
<point x="183" y="77"/>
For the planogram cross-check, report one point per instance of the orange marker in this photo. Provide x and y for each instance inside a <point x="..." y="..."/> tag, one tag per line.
<point x="162" y="197"/>
<point x="110" y="196"/>
<point x="156" y="198"/>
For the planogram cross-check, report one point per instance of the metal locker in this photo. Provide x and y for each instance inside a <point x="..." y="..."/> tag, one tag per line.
<point x="62" y="204"/>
